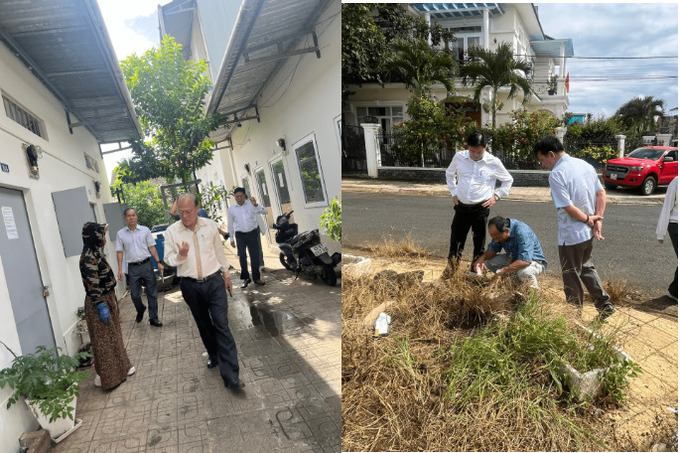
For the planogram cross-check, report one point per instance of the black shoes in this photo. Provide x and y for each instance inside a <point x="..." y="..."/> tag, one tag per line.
<point x="606" y="312"/>
<point x="259" y="282"/>
<point x="234" y="385"/>
<point x="212" y="363"/>
<point x="245" y="283"/>
<point x="140" y="315"/>
<point x="155" y="322"/>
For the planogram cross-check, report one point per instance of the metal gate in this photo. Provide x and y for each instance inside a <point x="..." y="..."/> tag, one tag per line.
<point x="353" y="151"/>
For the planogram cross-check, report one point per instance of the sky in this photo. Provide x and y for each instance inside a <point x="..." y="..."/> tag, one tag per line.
<point x="614" y="30"/>
<point x="133" y="28"/>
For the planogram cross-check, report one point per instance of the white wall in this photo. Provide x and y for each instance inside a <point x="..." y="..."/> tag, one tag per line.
<point x="62" y="168"/>
<point x="310" y="104"/>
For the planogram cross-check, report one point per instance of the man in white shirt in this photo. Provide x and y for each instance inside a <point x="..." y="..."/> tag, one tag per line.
<point x="137" y="244"/>
<point x="668" y="221"/>
<point x="580" y="200"/>
<point x="194" y="245"/>
<point x="471" y="178"/>
<point x="244" y="229"/>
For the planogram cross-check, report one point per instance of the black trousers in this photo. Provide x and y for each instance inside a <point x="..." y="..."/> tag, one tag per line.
<point x="468" y="217"/>
<point x="673" y="233"/>
<point x="249" y="241"/>
<point x="143" y="274"/>
<point x="208" y="304"/>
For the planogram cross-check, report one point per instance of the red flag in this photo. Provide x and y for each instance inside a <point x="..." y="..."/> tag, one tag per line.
<point x="566" y="83"/>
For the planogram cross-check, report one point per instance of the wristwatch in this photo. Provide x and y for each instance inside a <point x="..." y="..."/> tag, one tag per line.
<point x="496" y="197"/>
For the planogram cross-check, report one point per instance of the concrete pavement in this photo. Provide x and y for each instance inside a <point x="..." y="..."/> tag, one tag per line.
<point x="288" y="337"/>
<point x="542" y="194"/>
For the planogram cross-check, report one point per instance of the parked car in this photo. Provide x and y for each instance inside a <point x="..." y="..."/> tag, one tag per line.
<point x="645" y="168"/>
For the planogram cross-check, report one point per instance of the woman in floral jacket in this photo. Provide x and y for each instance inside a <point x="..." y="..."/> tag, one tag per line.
<point x="111" y="361"/>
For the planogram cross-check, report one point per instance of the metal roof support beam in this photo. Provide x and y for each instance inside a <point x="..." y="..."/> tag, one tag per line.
<point x="188" y="5"/>
<point x="243" y="118"/>
<point x="280" y="52"/>
<point x="33" y="67"/>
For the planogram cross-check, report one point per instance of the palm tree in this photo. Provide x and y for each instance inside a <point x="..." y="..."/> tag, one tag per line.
<point x="419" y="65"/>
<point x="638" y="113"/>
<point x="496" y="69"/>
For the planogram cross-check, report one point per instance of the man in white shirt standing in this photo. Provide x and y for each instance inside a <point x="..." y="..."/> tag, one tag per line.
<point x="471" y="178"/>
<point x="194" y="245"/>
<point x="136" y="242"/>
<point x="244" y="229"/>
<point x="580" y="200"/>
<point x="668" y="221"/>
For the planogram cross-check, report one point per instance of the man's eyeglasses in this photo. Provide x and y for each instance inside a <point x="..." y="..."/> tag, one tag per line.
<point x="185" y="212"/>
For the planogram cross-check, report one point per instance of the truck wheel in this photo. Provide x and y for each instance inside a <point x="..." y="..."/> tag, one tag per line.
<point x="610" y="186"/>
<point x="648" y="186"/>
<point x="329" y="276"/>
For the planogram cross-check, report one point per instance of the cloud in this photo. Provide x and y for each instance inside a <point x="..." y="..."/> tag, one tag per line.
<point x="131" y="25"/>
<point x="616" y="30"/>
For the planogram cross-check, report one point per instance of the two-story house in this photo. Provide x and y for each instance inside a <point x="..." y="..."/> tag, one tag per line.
<point x="486" y="25"/>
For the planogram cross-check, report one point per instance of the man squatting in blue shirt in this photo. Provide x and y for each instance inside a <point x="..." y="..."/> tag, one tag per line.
<point x="524" y="256"/>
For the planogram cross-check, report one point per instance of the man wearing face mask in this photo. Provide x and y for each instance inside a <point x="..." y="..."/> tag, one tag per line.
<point x="471" y="178"/>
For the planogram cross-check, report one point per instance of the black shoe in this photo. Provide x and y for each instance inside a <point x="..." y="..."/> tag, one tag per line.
<point x="245" y="283"/>
<point x="259" y="282"/>
<point x="212" y="363"/>
<point x="155" y="322"/>
<point x="606" y="312"/>
<point x="234" y="385"/>
<point x="140" y="315"/>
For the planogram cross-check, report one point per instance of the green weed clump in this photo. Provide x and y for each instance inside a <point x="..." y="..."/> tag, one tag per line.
<point x="531" y="349"/>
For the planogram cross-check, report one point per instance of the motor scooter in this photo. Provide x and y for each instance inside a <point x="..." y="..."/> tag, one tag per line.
<point x="304" y="252"/>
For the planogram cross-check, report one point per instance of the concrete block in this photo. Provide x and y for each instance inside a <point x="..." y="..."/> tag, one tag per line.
<point x="36" y="441"/>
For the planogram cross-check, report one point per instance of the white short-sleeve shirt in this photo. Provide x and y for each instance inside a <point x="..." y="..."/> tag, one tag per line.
<point x="573" y="182"/>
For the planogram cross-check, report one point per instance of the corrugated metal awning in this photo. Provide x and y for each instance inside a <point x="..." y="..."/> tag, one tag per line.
<point x="66" y="45"/>
<point x="457" y="10"/>
<point x="267" y="32"/>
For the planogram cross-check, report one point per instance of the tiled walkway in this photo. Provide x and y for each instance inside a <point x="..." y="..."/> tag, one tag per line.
<point x="288" y="338"/>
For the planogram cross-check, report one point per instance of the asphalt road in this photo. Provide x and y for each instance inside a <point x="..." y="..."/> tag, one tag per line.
<point x="630" y="251"/>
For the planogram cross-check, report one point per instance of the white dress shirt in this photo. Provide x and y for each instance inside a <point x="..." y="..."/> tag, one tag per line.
<point x="573" y="182"/>
<point x="474" y="181"/>
<point x="206" y="252"/>
<point x="243" y="218"/>
<point x="669" y="211"/>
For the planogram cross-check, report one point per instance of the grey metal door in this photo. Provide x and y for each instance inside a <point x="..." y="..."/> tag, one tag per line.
<point x="22" y="274"/>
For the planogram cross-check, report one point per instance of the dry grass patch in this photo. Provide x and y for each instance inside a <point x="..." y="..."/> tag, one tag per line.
<point x="429" y="387"/>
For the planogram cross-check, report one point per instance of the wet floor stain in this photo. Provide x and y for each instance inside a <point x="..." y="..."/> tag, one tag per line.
<point x="274" y="322"/>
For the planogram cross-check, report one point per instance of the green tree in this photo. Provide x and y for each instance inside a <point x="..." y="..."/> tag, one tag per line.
<point x="145" y="197"/>
<point x="420" y="65"/>
<point x="638" y="114"/>
<point x="168" y="94"/>
<point x="367" y="33"/>
<point x="430" y="129"/>
<point x="496" y="69"/>
<point x="515" y="139"/>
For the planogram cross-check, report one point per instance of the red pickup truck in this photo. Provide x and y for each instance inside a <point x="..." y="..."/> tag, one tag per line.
<point x="645" y="168"/>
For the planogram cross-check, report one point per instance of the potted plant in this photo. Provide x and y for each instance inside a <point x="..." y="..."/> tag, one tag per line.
<point x="552" y="85"/>
<point x="49" y="383"/>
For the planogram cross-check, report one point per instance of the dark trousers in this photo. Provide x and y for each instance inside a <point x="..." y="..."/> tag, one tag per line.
<point x="208" y="304"/>
<point x="143" y="274"/>
<point x="673" y="233"/>
<point x="466" y="217"/>
<point x="249" y="242"/>
<point x="577" y="268"/>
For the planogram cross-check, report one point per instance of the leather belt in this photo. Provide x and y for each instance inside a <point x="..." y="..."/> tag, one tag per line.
<point x="138" y="262"/>
<point x="204" y="279"/>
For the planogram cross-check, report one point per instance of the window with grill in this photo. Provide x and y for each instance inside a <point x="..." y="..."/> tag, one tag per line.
<point x="23" y="117"/>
